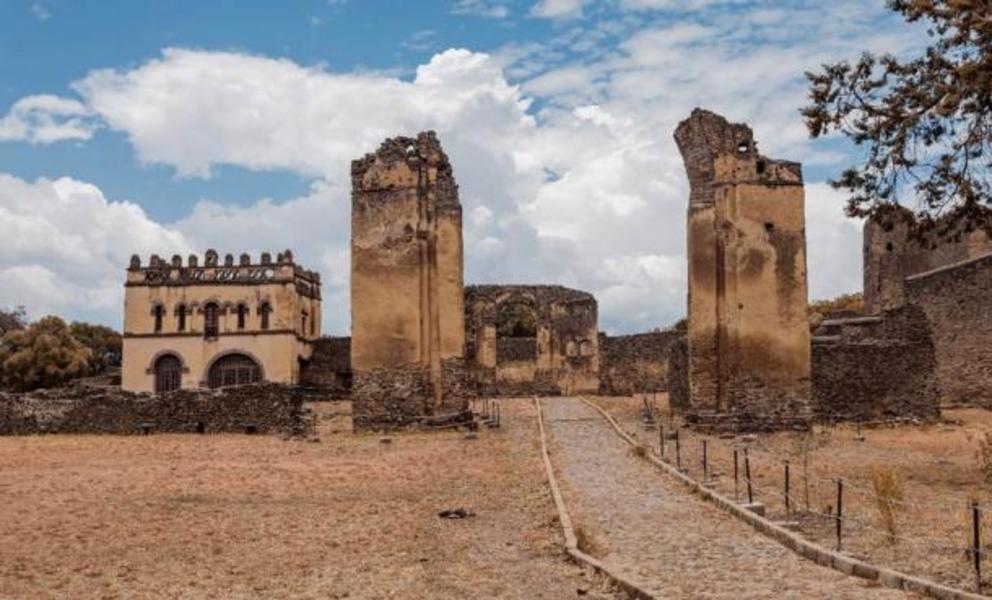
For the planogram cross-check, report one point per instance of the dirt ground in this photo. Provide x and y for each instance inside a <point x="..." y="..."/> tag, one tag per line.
<point x="228" y="516"/>
<point x="936" y="465"/>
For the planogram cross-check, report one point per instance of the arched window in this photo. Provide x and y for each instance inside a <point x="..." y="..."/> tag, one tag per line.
<point x="234" y="369"/>
<point x="264" y="311"/>
<point x="211" y="320"/>
<point x="168" y="373"/>
<point x="159" y="312"/>
<point x="242" y="315"/>
<point x="181" y="318"/>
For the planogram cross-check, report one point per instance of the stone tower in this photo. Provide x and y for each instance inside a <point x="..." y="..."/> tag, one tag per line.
<point x="407" y="302"/>
<point x="748" y="336"/>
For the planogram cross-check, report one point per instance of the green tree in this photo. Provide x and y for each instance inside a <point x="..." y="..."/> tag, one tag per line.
<point x="925" y="123"/>
<point x="12" y="319"/>
<point x="45" y="354"/>
<point x="103" y="342"/>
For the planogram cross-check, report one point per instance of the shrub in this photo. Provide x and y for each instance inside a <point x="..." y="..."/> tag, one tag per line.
<point x="888" y="493"/>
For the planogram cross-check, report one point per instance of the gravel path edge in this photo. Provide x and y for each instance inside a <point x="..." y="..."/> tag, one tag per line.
<point x="571" y="542"/>
<point x="799" y="545"/>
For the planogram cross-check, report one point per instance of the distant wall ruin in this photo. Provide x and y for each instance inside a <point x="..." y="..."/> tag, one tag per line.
<point x="891" y="255"/>
<point x="630" y="364"/>
<point x="748" y="337"/>
<point x="329" y="367"/>
<point x="406" y="284"/>
<point x="531" y="339"/>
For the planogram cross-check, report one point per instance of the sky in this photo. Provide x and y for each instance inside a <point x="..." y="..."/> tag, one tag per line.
<point x="131" y="126"/>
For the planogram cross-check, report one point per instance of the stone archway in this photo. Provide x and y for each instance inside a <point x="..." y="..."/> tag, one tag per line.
<point x="235" y="368"/>
<point x="168" y="373"/>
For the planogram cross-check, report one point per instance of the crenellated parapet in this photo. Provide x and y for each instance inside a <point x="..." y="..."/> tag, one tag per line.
<point x="223" y="271"/>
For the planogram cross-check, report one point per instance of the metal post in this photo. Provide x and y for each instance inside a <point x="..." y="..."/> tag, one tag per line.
<point x="706" y="470"/>
<point x="735" y="475"/>
<point x="840" y="510"/>
<point x="747" y="475"/>
<point x="661" y="441"/>
<point x="787" y="507"/>
<point x="678" y="451"/>
<point x="976" y="549"/>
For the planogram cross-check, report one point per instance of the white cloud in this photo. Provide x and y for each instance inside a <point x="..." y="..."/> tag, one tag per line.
<point x="45" y="119"/>
<point x="558" y="9"/>
<point x="492" y="9"/>
<point x="65" y="247"/>
<point x="41" y="11"/>
<point x="587" y="189"/>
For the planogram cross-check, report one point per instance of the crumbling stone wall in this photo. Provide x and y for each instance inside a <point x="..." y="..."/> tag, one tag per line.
<point x="267" y="408"/>
<point x="406" y="283"/>
<point x="560" y="356"/>
<point x="636" y="363"/>
<point x="891" y="255"/>
<point x="875" y="368"/>
<point x="748" y="336"/>
<point x="956" y="302"/>
<point x="329" y="367"/>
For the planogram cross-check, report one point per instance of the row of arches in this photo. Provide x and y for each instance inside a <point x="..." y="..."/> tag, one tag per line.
<point x="227" y="370"/>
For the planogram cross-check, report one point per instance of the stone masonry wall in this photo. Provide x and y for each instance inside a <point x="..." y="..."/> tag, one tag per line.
<point x="956" y="302"/>
<point x="268" y="408"/>
<point x="875" y="368"/>
<point x="634" y="363"/>
<point x="329" y="367"/>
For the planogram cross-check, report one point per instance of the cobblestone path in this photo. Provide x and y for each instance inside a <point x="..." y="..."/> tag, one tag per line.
<point x="648" y="527"/>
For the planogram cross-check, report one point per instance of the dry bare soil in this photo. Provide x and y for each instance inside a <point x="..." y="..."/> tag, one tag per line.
<point x="937" y="468"/>
<point x="227" y="516"/>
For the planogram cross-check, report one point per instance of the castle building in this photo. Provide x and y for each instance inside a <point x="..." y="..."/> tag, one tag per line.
<point x="217" y="325"/>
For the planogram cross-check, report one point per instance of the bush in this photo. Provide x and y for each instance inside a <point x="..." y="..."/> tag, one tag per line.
<point x="45" y="354"/>
<point x="103" y="342"/>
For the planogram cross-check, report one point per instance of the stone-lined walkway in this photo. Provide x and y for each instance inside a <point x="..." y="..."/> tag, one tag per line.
<point x="653" y="530"/>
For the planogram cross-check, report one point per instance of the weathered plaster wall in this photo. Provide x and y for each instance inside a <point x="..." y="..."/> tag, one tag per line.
<point x="748" y="337"/>
<point x="258" y="408"/>
<point x="562" y="354"/>
<point x="630" y="364"/>
<point x="406" y="281"/>
<point x="875" y="368"/>
<point x="956" y="302"/>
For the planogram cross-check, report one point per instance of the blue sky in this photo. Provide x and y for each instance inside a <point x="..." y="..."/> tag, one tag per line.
<point x="176" y="126"/>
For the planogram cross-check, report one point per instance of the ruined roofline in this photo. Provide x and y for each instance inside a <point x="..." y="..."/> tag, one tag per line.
<point x="402" y="149"/>
<point x="716" y="152"/>
<point x="571" y="294"/>
<point x="950" y="267"/>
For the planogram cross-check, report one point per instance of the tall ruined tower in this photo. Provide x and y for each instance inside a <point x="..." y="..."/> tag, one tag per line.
<point x="748" y="336"/>
<point x="407" y="301"/>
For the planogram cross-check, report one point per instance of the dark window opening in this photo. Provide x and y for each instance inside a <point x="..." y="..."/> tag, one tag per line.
<point x="303" y="322"/>
<point x="242" y="313"/>
<point x="264" y="310"/>
<point x="234" y="369"/>
<point x="888" y="246"/>
<point x="211" y="320"/>
<point x="159" y="314"/>
<point x="168" y="374"/>
<point x="761" y="167"/>
<point x="181" y="318"/>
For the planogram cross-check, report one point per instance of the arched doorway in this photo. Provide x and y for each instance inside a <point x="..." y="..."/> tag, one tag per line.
<point x="168" y="373"/>
<point x="234" y="369"/>
<point x="516" y="332"/>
